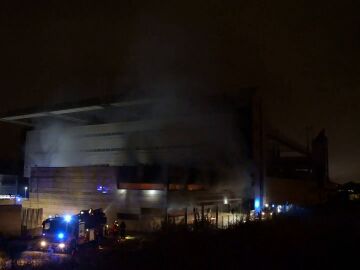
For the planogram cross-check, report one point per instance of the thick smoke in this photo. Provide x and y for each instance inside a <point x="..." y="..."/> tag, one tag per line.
<point x="178" y="130"/>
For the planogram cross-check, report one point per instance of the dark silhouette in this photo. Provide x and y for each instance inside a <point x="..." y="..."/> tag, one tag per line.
<point x="122" y="229"/>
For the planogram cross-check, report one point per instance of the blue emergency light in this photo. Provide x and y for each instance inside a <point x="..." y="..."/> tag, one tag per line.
<point x="257" y="205"/>
<point x="67" y="218"/>
<point x="60" y="235"/>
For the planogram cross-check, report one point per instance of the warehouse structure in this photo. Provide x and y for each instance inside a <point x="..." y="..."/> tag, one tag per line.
<point x="152" y="160"/>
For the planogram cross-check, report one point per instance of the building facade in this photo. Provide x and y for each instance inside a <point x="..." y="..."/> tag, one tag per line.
<point x="181" y="164"/>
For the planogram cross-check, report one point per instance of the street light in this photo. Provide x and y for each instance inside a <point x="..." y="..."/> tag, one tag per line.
<point x="26" y="188"/>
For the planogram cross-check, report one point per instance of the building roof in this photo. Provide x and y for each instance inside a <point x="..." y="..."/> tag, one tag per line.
<point x="88" y="112"/>
<point x="117" y="109"/>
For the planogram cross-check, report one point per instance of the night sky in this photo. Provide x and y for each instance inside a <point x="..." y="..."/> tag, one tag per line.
<point x="303" y="56"/>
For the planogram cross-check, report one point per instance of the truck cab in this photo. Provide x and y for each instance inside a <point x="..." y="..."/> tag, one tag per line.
<point x="59" y="234"/>
<point x="65" y="233"/>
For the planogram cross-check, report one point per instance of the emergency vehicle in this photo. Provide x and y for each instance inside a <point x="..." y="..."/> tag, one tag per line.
<point x="65" y="233"/>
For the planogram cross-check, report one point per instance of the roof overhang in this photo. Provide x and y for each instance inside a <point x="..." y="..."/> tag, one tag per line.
<point x="99" y="113"/>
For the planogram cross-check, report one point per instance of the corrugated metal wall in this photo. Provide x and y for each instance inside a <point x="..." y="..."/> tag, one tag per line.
<point x="31" y="218"/>
<point x="70" y="190"/>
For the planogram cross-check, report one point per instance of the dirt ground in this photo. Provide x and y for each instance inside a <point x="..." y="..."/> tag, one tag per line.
<point x="325" y="238"/>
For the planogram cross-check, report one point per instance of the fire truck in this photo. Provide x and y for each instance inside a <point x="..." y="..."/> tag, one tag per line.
<point x="65" y="233"/>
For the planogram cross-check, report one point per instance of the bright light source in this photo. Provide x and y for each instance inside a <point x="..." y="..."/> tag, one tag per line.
<point x="257" y="205"/>
<point x="18" y="199"/>
<point x="263" y="213"/>
<point x="43" y="243"/>
<point x="151" y="192"/>
<point x="122" y="191"/>
<point x="26" y="188"/>
<point x="226" y="201"/>
<point x="273" y="205"/>
<point x="67" y="218"/>
<point x="266" y="205"/>
<point x="60" y="235"/>
<point x="62" y="245"/>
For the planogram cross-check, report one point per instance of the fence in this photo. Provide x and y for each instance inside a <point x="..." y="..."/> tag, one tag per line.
<point x="31" y="219"/>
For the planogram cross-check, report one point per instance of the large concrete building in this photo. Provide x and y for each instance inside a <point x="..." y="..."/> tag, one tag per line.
<point x="146" y="160"/>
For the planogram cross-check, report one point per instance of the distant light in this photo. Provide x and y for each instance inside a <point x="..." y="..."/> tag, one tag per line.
<point x="43" y="243"/>
<point x="62" y="245"/>
<point x="263" y="213"/>
<point x="43" y="234"/>
<point x="82" y="212"/>
<point x="279" y="209"/>
<point x="26" y="188"/>
<point x="60" y="236"/>
<point x="266" y="205"/>
<point x="102" y="189"/>
<point x="122" y="191"/>
<point x="18" y="199"/>
<point x="50" y="216"/>
<point x="151" y="192"/>
<point x="257" y="205"/>
<point x="67" y="218"/>
<point x="226" y="200"/>
<point x="273" y="205"/>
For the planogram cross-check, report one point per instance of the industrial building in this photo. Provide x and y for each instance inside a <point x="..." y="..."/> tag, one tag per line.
<point x="178" y="160"/>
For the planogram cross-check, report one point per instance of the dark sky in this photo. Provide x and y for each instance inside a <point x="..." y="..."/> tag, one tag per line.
<point x="302" y="55"/>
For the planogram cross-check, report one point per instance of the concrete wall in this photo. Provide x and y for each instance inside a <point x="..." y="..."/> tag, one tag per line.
<point x="10" y="220"/>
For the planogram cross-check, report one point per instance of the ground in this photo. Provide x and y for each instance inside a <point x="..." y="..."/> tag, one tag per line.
<point x="323" y="238"/>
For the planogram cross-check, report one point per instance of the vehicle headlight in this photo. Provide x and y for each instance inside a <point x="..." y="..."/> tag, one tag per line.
<point x="61" y="245"/>
<point x="43" y="243"/>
